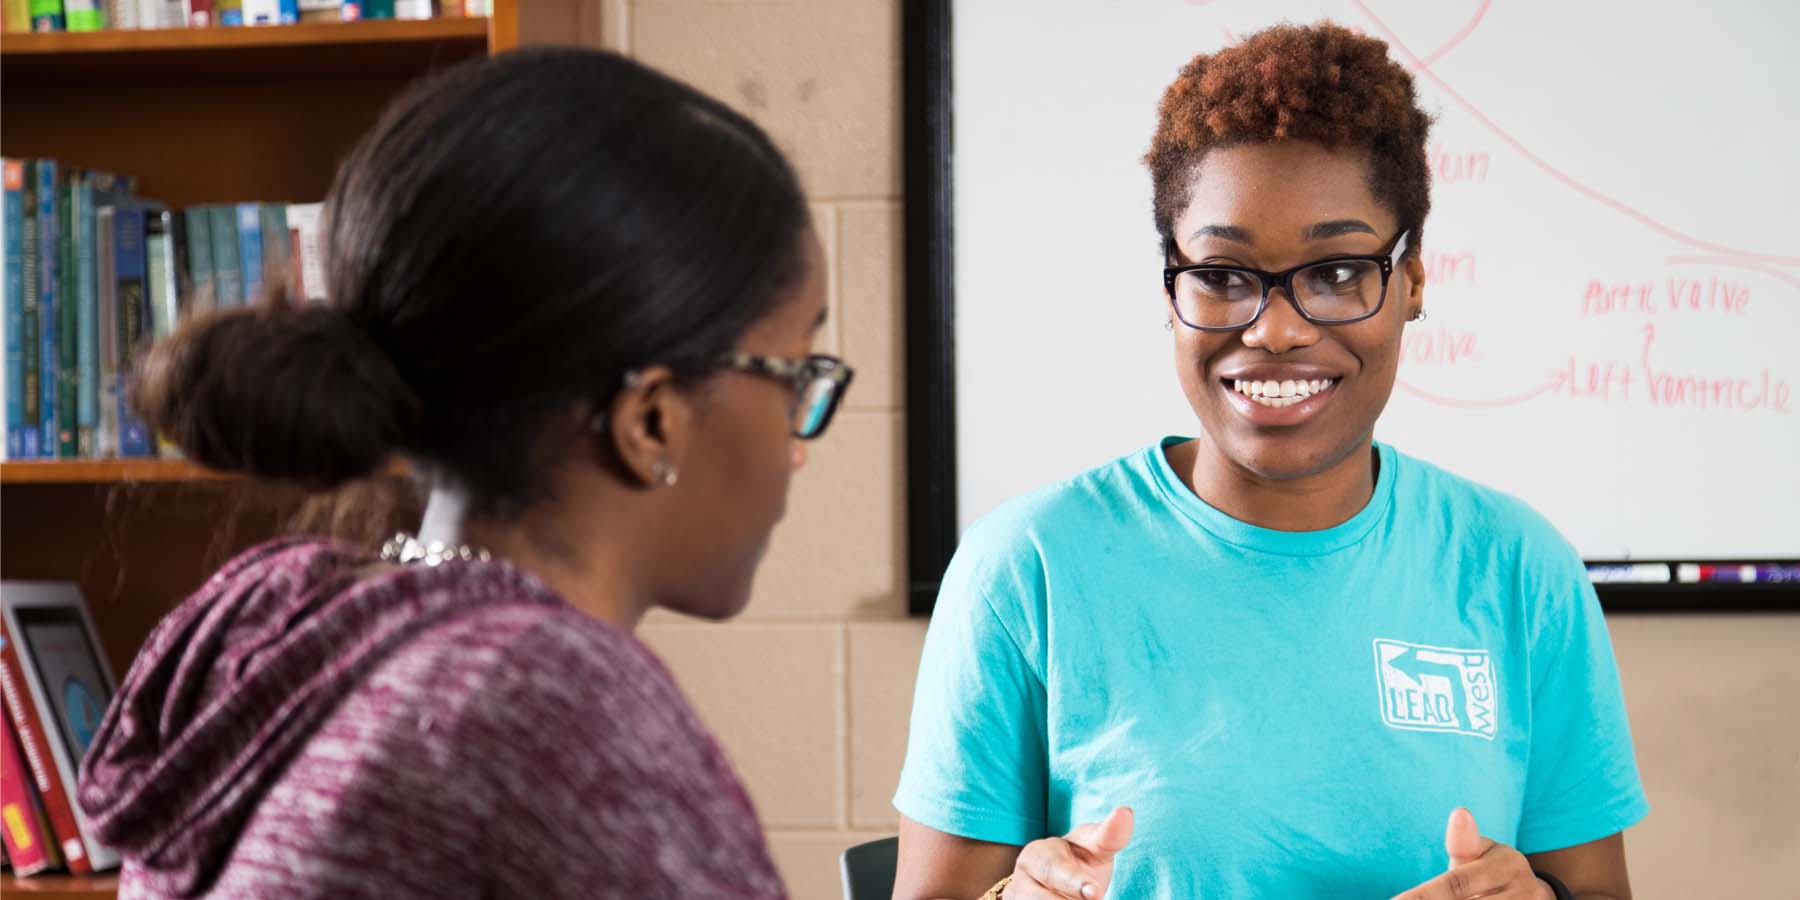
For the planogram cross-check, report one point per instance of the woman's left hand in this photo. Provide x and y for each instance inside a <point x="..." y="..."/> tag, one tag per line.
<point x="1480" y="867"/>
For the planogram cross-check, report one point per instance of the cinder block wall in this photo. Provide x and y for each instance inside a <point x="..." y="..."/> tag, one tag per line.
<point x="809" y="690"/>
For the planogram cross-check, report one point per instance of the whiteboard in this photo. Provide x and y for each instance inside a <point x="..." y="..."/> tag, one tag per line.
<point x="1613" y="254"/>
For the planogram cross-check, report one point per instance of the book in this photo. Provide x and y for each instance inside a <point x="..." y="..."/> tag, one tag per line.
<point x="228" y="279"/>
<point x="122" y="14"/>
<point x="30" y="347"/>
<point x="84" y="15"/>
<point x="199" y="13"/>
<point x="453" y="9"/>
<point x="250" y="250"/>
<point x="203" y="292"/>
<point x="377" y="9"/>
<point x="30" y="847"/>
<point x="133" y="332"/>
<point x="12" y="390"/>
<point x="275" y="244"/>
<point x="162" y="250"/>
<point x="88" y="191"/>
<point x="412" y="9"/>
<point x="51" y="636"/>
<point x="35" y="747"/>
<point x="161" y="230"/>
<point x="18" y="15"/>
<point x="68" y="316"/>
<point x="46" y="15"/>
<point x="229" y="13"/>
<point x="106" y="432"/>
<point x="321" y="10"/>
<point x="308" y="262"/>
<point x="161" y="13"/>
<point x="49" y="287"/>
<point x="261" y="12"/>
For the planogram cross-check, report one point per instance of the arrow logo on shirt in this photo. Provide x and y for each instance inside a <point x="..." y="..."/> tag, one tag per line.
<point x="1414" y="664"/>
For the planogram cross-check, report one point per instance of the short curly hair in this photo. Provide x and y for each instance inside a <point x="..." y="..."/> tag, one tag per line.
<point x="1322" y="83"/>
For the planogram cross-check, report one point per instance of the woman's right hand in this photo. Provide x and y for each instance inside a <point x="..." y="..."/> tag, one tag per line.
<point x="1077" y="866"/>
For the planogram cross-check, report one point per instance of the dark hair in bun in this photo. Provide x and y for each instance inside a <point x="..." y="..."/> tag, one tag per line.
<point x="513" y="236"/>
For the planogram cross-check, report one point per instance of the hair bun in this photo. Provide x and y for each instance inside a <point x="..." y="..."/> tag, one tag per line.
<point x="299" y="393"/>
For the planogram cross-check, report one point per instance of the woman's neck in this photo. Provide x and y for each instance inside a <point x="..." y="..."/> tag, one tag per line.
<point x="593" y="576"/>
<point x="1314" y="502"/>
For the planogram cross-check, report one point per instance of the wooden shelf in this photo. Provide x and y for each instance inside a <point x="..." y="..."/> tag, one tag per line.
<point x="62" y="887"/>
<point x="383" y="31"/>
<point x="104" y="471"/>
<point x="314" y="48"/>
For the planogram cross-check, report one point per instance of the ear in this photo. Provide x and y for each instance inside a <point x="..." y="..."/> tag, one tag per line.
<point x="1414" y="267"/>
<point x="649" y="425"/>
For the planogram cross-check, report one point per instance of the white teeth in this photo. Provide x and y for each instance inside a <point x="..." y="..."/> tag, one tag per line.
<point x="1277" y="394"/>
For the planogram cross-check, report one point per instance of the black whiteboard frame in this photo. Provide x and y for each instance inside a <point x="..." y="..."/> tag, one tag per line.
<point x="930" y="318"/>
<point x="931" y="528"/>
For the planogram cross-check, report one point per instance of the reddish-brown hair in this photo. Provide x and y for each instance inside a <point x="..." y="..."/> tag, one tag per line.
<point x="1322" y="83"/>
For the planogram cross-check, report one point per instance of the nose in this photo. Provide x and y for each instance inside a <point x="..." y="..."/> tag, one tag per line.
<point x="798" y="455"/>
<point x="1281" y="328"/>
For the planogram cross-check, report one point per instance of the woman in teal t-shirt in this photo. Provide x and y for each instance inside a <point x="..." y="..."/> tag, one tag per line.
<point x="1310" y="665"/>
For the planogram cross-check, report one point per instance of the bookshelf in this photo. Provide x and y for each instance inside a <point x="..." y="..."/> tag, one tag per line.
<point x="54" y="887"/>
<point x="211" y="115"/>
<point x="104" y="471"/>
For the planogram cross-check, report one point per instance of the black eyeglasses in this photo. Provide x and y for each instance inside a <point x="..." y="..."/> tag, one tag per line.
<point x="819" y="384"/>
<point x="1334" y="291"/>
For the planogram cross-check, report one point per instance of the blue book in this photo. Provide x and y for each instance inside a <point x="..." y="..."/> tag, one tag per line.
<point x="250" y="250"/>
<point x="49" y="274"/>
<point x="131" y="271"/>
<point x="82" y="191"/>
<point x="15" y="308"/>
<point x="290" y="12"/>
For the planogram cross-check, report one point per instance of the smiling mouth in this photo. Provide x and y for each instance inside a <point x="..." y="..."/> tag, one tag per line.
<point x="1277" y="394"/>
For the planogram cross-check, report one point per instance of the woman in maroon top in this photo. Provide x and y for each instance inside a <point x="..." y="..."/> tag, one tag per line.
<point x="580" y="298"/>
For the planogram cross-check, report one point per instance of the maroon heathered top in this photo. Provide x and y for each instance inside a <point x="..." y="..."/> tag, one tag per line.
<point x="457" y="731"/>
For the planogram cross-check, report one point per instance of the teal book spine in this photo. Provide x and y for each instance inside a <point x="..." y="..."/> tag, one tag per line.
<point x="82" y="197"/>
<point x="228" y="279"/>
<point x="202" y="289"/>
<point x="49" y="280"/>
<point x="68" y="319"/>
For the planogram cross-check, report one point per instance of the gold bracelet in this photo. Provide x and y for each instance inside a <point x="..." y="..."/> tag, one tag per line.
<point x="998" y="889"/>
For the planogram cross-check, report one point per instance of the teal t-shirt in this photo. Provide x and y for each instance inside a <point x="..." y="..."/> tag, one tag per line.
<point x="1289" y="714"/>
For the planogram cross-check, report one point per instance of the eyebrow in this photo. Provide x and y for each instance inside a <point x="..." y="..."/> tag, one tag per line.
<point x="1335" y="228"/>
<point x="1318" y="232"/>
<point x="1223" y="232"/>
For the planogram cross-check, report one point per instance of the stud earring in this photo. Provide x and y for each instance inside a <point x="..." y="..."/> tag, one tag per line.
<point x="1418" y="316"/>
<point x="664" y="473"/>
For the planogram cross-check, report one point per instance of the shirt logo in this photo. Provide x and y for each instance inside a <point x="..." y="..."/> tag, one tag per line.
<point x="1426" y="688"/>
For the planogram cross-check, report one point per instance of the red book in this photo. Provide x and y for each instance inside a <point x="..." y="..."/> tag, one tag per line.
<point x="200" y="13"/>
<point x="37" y="758"/>
<point x="22" y="827"/>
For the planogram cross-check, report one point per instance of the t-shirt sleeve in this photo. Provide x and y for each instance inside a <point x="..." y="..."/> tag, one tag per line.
<point x="976" y="754"/>
<point x="1581" y="779"/>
